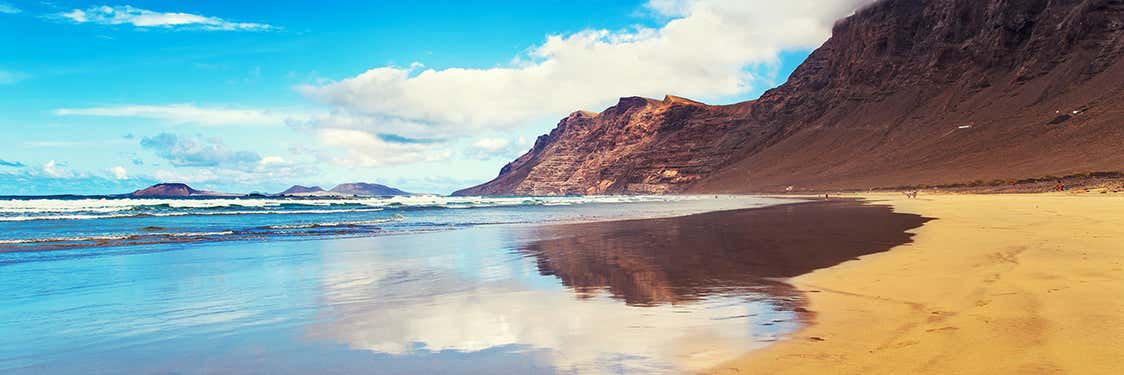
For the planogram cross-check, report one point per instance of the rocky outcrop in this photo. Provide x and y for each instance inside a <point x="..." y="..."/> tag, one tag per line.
<point x="905" y="92"/>
<point x="639" y="145"/>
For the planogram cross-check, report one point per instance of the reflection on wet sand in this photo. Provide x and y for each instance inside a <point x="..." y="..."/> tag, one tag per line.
<point x="483" y="295"/>
<point x="697" y="290"/>
<point x="684" y="259"/>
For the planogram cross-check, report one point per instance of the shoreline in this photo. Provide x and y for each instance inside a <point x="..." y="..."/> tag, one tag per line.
<point x="998" y="283"/>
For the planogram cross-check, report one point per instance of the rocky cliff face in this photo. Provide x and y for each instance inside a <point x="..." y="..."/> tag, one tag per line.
<point x="637" y="146"/>
<point x="905" y="92"/>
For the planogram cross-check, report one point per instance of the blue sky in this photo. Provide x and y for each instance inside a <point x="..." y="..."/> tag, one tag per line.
<point x="428" y="96"/>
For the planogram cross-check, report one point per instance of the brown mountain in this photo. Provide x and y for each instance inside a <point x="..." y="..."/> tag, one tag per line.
<point x="365" y="189"/>
<point x="172" y="190"/>
<point x="905" y="92"/>
<point x="299" y="189"/>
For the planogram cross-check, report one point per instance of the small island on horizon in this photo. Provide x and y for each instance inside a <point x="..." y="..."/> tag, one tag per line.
<point x="353" y="189"/>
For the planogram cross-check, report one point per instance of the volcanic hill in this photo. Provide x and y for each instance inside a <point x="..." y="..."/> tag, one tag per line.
<point x="173" y="190"/>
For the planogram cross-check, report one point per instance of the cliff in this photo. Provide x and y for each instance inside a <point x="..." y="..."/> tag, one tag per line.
<point x="905" y="92"/>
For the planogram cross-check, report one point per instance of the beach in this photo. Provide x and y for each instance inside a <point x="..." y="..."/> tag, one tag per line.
<point x="870" y="284"/>
<point x="997" y="284"/>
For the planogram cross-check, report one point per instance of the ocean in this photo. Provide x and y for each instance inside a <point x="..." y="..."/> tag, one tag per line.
<point x="32" y="223"/>
<point x="407" y="285"/>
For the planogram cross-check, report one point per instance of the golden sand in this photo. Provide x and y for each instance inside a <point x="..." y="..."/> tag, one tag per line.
<point x="998" y="284"/>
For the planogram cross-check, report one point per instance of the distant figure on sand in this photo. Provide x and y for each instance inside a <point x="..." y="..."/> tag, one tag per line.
<point x="1060" y="187"/>
<point x="910" y="194"/>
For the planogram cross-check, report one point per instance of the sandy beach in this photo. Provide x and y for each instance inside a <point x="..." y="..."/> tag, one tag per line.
<point x="997" y="284"/>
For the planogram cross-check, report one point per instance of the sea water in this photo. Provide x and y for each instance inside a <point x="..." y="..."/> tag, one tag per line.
<point x="30" y="223"/>
<point x="373" y="285"/>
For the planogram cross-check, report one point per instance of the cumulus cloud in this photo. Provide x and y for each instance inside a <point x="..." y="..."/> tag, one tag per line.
<point x="13" y="164"/>
<point x="273" y="160"/>
<point x="197" y="152"/>
<point x="705" y="50"/>
<point x="6" y="8"/>
<point x="187" y="114"/>
<point x="119" y="173"/>
<point x="496" y="148"/>
<point x="200" y="159"/>
<point x="491" y="144"/>
<point x="51" y="168"/>
<point x="143" y="18"/>
<point x="54" y="170"/>
<point x="362" y="149"/>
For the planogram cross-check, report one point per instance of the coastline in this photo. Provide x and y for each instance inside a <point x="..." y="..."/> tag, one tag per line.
<point x="996" y="284"/>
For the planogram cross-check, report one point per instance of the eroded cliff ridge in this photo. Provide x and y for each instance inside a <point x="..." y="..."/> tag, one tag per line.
<point x="905" y="92"/>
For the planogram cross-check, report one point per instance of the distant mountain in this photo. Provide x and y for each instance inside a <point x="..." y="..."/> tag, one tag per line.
<point x="173" y="190"/>
<point x="365" y="189"/>
<point x="299" y="190"/>
<point x="177" y="190"/>
<point x="905" y="93"/>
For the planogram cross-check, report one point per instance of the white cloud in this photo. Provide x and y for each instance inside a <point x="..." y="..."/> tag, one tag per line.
<point x="201" y="159"/>
<point x="362" y="149"/>
<point x="705" y="53"/>
<point x="119" y="173"/>
<point x="52" y="169"/>
<point x="125" y="14"/>
<point x="188" y="114"/>
<point x="272" y="160"/>
<point x="343" y="119"/>
<point x="199" y="152"/>
<point x="491" y="144"/>
<point x="496" y="148"/>
<point x="6" y="8"/>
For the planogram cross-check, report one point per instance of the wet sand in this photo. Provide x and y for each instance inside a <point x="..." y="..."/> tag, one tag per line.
<point x="998" y="284"/>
